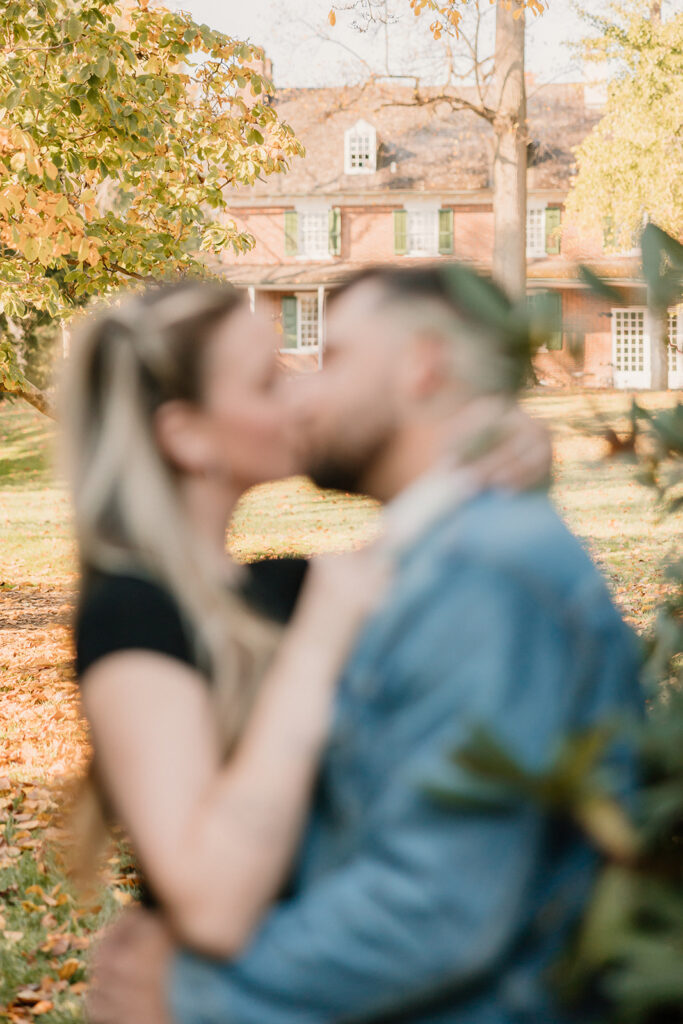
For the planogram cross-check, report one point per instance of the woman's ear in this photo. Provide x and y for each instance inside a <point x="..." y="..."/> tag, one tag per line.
<point x="182" y="436"/>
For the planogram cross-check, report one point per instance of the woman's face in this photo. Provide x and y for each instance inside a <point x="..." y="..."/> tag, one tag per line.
<point x="250" y="431"/>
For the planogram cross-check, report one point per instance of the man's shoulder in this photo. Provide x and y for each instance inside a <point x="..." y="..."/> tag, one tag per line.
<point x="520" y="538"/>
<point x="513" y="527"/>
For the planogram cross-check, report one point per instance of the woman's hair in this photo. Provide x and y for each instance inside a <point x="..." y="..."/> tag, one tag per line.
<point x="127" y="360"/>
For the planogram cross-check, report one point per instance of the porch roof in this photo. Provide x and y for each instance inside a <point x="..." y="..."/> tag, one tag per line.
<point x="553" y="272"/>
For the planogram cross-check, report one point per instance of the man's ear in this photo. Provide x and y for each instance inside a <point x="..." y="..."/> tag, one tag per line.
<point x="181" y="436"/>
<point x="426" y="367"/>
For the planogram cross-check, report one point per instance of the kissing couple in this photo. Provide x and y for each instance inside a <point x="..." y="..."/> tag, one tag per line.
<point x="271" y="737"/>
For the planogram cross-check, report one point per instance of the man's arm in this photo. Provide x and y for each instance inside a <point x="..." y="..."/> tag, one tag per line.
<point x="433" y="898"/>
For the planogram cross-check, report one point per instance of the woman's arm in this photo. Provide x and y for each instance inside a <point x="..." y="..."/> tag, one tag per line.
<point x="503" y="445"/>
<point x="215" y="842"/>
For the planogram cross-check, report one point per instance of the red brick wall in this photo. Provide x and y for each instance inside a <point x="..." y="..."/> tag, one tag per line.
<point x="473" y="233"/>
<point x="367" y="234"/>
<point x="586" y="356"/>
<point x="268" y="228"/>
<point x="269" y="303"/>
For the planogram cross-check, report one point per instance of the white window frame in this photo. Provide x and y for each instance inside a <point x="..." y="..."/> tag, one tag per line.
<point x="534" y="249"/>
<point x="423" y="209"/>
<point x="675" y="349"/>
<point x="360" y="149"/>
<point x="313" y="210"/>
<point x="630" y="371"/>
<point x="307" y="326"/>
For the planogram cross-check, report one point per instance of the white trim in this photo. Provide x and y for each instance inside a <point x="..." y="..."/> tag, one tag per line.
<point x="311" y="320"/>
<point x="631" y="347"/>
<point x="675" y="352"/>
<point x="313" y="209"/>
<point x="321" y="324"/>
<point x="420" y="207"/>
<point x="360" y="148"/>
<point x="419" y="203"/>
<point x="534" y="251"/>
<point x="312" y="204"/>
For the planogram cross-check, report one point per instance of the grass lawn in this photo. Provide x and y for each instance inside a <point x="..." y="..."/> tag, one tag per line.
<point x="44" y="933"/>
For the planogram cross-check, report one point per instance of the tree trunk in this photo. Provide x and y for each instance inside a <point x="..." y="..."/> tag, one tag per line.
<point x="659" y="349"/>
<point x="509" y="161"/>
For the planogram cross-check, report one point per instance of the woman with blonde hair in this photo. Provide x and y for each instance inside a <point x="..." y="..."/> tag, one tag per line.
<point x="172" y="410"/>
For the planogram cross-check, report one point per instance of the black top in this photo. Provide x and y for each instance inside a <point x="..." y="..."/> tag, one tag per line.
<point x="122" y="612"/>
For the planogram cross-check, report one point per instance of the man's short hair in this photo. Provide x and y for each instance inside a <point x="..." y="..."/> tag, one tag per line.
<point x="489" y="342"/>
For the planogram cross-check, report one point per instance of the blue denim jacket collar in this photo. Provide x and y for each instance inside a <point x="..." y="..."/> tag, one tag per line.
<point x="434" y="495"/>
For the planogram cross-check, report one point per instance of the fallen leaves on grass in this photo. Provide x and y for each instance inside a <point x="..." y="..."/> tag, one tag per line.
<point x="45" y="933"/>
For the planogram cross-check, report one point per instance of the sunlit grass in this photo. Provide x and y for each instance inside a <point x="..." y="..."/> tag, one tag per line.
<point x="600" y="500"/>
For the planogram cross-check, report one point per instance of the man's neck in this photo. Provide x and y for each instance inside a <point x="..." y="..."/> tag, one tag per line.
<point x="415" y="451"/>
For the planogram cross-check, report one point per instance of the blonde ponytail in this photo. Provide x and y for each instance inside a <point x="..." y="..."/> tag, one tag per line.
<point x="125" y="361"/>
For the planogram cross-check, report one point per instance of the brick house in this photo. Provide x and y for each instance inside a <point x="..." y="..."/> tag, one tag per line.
<point x="385" y="180"/>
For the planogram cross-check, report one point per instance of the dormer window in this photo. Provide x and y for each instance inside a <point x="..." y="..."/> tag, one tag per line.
<point x="360" y="149"/>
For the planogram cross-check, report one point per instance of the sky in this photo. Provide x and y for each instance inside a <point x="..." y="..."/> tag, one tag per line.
<point x="307" y="51"/>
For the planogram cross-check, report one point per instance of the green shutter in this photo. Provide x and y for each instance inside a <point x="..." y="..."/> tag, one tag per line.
<point x="289" y="321"/>
<point x="553" y="218"/>
<point x="400" y="232"/>
<point x="445" y="232"/>
<point x="554" y="342"/>
<point x="335" y="231"/>
<point x="547" y="306"/>
<point x="291" y="232"/>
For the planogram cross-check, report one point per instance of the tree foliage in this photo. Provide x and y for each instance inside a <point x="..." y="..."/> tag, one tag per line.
<point x="122" y="126"/>
<point x="629" y="166"/>
<point x="448" y="16"/>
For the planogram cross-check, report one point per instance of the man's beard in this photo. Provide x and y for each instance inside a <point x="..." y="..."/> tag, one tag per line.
<point x="348" y="473"/>
<point x="335" y="475"/>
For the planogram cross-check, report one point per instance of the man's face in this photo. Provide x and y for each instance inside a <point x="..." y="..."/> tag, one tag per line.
<point x="350" y="411"/>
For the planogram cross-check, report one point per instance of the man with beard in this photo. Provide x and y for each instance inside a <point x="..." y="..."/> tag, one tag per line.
<point x="402" y="908"/>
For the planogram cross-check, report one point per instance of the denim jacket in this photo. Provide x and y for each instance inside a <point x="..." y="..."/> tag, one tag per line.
<point x="401" y="908"/>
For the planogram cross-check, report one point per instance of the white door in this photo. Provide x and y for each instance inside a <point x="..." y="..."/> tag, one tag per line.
<point x="675" y="354"/>
<point x="631" y="347"/>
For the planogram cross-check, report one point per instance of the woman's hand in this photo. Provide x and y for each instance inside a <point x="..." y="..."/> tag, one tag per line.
<point x="503" y="446"/>
<point x="340" y="594"/>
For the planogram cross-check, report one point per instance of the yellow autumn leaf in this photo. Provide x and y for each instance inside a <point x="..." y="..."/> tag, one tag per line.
<point x="33" y="165"/>
<point x="69" y="968"/>
<point x="44" y="1006"/>
<point x="332" y="18"/>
